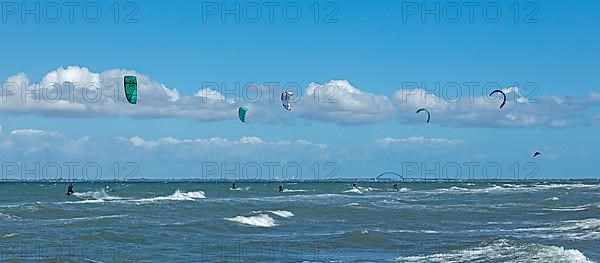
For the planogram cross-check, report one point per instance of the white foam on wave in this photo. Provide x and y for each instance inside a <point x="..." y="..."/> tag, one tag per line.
<point x="584" y="229"/>
<point x="552" y="199"/>
<point x="403" y="190"/>
<point x="505" y="251"/>
<point x="261" y="220"/>
<point x="353" y="190"/>
<point x="101" y="196"/>
<point x="590" y="224"/>
<point x="9" y="235"/>
<point x="89" y="201"/>
<point x="177" y="196"/>
<point x="9" y="217"/>
<point x="90" y="218"/>
<point x="567" y="186"/>
<point x="96" y="195"/>
<point x="456" y="188"/>
<point x="240" y="189"/>
<point x="368" y="189"/>
<point x="282" y="213"/>
<point x="560" y="254"/>
<point x="567" y="209"/>
<point x="516" y="188"/>
<point x="396" y="231"/>
<point x="279" y="213"/>
<point x="294" y="190"/>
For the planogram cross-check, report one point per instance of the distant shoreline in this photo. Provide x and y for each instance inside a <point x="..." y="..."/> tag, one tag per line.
<point x="341" y="180"/>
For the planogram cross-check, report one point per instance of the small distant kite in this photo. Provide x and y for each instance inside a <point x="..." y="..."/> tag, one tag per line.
<point x="285" y="99"/>
<point x="425" y="110"/>
<point x="130" y="89"/>
<point x="536" y="154"/>
<point x="503" y="95"/>
<point x="242" y="113"/>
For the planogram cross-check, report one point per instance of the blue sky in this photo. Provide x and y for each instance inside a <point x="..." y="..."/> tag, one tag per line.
<point x="371" y="54"/>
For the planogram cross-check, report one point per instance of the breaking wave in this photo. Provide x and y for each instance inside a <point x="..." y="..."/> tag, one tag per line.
<point x="261" y="220"/>
<point x="504" y="251"/>
<point x="177" y="196"/>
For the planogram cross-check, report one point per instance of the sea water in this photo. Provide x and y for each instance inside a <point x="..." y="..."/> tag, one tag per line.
<point x="307" y="222"/>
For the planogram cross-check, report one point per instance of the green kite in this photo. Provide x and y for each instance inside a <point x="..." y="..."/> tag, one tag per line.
<point x="242" y="113"/>
<point x="131" y="89"/>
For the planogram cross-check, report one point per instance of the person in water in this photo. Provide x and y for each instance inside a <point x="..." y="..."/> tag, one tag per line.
<point x="396" y="187"/>
<point x="233" y="186"/>
<point x="70" y="189"/>
<point x="280" y="188"/>
<point x="354" y="185"/>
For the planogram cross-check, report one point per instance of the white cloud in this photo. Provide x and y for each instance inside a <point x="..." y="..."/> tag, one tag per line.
<point x="214" y="142"/>
<point x="77" y="91"/>
<point x="32" y="132"/>
<point x="483" y="111"/>
<point x="339" y="102"/>
<point x="251" y="140"/>
<point x="420" y="141"/>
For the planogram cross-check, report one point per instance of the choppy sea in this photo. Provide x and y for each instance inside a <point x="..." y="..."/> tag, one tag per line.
<point x="307" y="222"/>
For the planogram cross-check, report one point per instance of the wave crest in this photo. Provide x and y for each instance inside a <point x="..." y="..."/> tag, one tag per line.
<point x="261" y="220"/>
<point x="177" y="196"/>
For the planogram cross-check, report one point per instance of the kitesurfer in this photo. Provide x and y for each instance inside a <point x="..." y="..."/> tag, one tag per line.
<point x="70" y="189"/>
<point x="396" y="187"/>
<point x="233" y="186"/>
<point x="280" y="189"/>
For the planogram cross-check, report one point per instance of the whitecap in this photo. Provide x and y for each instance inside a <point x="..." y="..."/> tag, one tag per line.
<point x="368" y="189"/>
<point x="96" y="195"/>
<point x="353" y="190"/>
<point x="177" y="196"/>
<point x="585" y="229"/>
<point x="261" y="220"/>
<point x="282" y="213"/>
<point x="9" y="217"/>
<point x="89" y="218"/>
<point x="567" y="209"/>
<point x="91" y="201"/>
<point x="504" y="251"/>
<point x="10" y="235"/>
<point x="294" y="190"/>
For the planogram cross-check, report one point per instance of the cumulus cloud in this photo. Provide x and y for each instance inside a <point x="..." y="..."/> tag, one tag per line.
<point x="79" y="92"/>
<point x="483" y="111"/>
<point x="215" y="142"/>
<point x="31" y="144"/>
<point x="338" y="101"/>
<point x="32" y="132"/>
<point x="28" y="143"/>
<point x="419" y="141"/>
